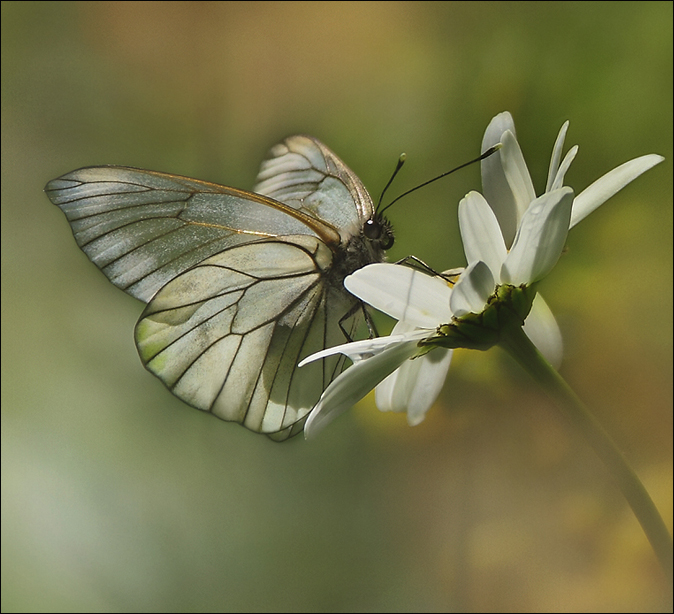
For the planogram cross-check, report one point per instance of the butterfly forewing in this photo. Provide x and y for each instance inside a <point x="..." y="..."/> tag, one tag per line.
<point x="240" y="286"/>
<point x="142" y="228"/>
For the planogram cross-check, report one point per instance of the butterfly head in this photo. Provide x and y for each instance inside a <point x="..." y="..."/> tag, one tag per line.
<point x="379" y="230"/>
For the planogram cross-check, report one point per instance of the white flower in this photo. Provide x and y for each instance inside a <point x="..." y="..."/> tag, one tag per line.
<point x="411" y="378"/>
<point x="519" y="236"/>
<point x="512" y="238"/>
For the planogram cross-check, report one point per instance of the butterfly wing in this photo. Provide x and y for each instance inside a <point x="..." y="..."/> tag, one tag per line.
<point x="142" y="228"/>
<point x="241" y="286"/>
<point x="226" y="335"/>
<point x="305" y="174"/>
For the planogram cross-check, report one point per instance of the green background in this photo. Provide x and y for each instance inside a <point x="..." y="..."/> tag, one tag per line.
<point x="117" y="497"/>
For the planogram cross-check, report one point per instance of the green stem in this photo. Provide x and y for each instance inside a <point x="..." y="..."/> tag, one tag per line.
<point x="518" y="345"/>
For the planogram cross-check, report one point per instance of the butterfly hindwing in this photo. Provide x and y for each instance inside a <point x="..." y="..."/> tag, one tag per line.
<point x="226" y="335"/>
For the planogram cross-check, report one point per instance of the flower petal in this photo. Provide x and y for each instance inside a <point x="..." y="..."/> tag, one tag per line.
<point x="601" y="190"/>
<point x="497" y="126"/>
<point x="517" y="174"/>
<point x="556" y="157"/>
<point x="495" y="186"/>
<point x="481" y="233"/>
<point x="402" y="293"/>
<point x="366" y="348"/>
<point x="354" y="383"/>
<point x="558" y="181"/>
<point x="471" y="292"/>
<point x="542" y="328"/>
<point x="415" y="385"/>
<point x="540" y="238"/>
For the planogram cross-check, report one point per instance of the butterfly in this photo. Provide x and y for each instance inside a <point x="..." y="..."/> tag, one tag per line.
<point x="240" y="286"/>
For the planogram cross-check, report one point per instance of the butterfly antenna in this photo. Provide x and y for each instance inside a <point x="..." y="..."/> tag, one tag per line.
<point x="486" y="154"/>
<point x="401" y="161"/>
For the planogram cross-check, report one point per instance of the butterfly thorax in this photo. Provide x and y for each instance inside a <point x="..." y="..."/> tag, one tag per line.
<point x="367" y="247"/>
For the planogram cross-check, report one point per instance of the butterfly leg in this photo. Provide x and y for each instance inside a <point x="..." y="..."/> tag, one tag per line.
<point x="417" y="263"/>
<point x="372" y="329"/>
<point x="451" y="276"/>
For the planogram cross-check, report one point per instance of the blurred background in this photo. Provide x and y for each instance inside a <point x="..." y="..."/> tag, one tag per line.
<point x="118" y="497"/>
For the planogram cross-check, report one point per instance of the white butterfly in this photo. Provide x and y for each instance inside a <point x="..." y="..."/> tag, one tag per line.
<point x="240" y="286"/>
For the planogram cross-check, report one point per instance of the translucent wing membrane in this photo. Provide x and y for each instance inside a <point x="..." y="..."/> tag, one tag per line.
<point x="305" y="174"/>
<point x="226" y="336"/>
<point x="142" y="228"/>
<point x="240" y="286"/>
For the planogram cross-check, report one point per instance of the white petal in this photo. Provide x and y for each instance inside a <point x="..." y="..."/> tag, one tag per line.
<point x="495" y="186"/>
<point x="542" y="328"/>
<point x="497" y="126"/>
<point x="354" y="383"/>
<point x="540" y="238"/>
<point x="558" y="181"/>
<point x="415" y="385"/>
<point x="556" y="157"/>
<point x="517" y="173"/>
<point x="601" y="190"/>
<point x="405" y="328"/>
<point x="481" y="233"/>
<point x="403" y="293"/>
<point x="471" y="292"/>
<point x="360" y="350"/>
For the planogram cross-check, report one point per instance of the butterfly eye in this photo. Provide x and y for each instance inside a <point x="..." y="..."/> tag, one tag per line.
<point x="372" y="229"/>
<point x="379" y="230"/>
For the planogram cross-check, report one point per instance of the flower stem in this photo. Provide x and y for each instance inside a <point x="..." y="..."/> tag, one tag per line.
<point x="519" y="346"/>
